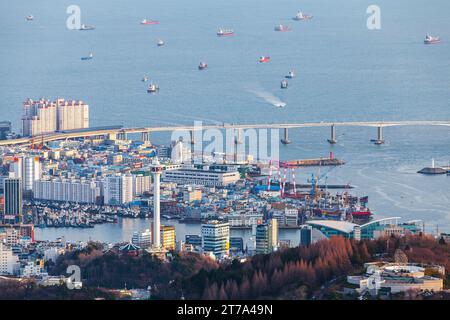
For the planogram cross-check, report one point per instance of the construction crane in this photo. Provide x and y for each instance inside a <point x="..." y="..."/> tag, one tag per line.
<point x="314" y="193"/>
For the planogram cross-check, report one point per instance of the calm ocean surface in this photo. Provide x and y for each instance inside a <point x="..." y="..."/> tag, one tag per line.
<point x="345" y="72"/>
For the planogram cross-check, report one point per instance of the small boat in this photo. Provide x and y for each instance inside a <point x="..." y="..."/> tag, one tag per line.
<point x="431" y="40"/>
<point x="145" y="21"/>
<point x="282" y="28"/>
<point x="152" y="88"/>
<point x="300" y="16"/>
<point x="280" y="104"/>
<point x="86" y="27"/>
<point x="89" y="57"/>
<point x="160" y="43"/>
<point x="264" y="59"/>
<point x="145" y="79"/>
<point x="225" y="32"/>
<point x="284" y="84"/>
<point x="202" y="66"/>
<point x="290" y="75"/>
<point x="30" y="17"/>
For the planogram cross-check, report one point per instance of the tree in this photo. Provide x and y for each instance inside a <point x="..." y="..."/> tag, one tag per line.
<point x="400" y="256"/>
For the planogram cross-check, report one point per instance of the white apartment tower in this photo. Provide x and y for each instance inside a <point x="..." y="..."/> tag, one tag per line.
<point x="118" y="189"/>
<point x="28" y="169"/>
<point x="45" y="116"/>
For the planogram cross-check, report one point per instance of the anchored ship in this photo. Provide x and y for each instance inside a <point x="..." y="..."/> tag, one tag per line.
<point x="89" y="57"/>
<point x="282" y="28"/>
<point x="431" y="40"/>
<point x="152" y="88"/>
<point x="86" y="27"/>
<point x="300" y="16"/>
<point x="145" y="21"/>
<point x="225" y="32"/>
<point x="290" y="75"/>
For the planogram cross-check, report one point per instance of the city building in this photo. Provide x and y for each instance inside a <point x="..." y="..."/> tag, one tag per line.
<point x="267" y="237"/>
<point x="142" y="182"/>
<point x="395" y="278"/>
<point x="9" y="262"/>
<point x="306" y="235"/>
<point x="142" y="239"/>
<point x="28" y="169"/>
<point x="12" y="207"/>
<point x="180" y="152"/>
<point x="236" y="244"/>
<point x="45" y="116"/>
<point x="193" y="240"/>
<point x="216" y="239"/>
<point x="205" y="176"/>
<point x="72" y="190"/>
<point x="118" y="189"/>
<point x="5" y="129"/>
<point x="168" y="237"/>
<point x="369" y="230"/>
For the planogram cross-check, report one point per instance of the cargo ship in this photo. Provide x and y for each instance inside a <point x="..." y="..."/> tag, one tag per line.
<point x="202" y="66"/>
<point x="316" y="162"/>
<point x="89" y="57"/>
<point x="264" y="59"/>
<point x="290" y="75"/>
<point x="225" y="32"/>
<point x="145" y="21"/>
<point x="86" y="27"/>
<point x="282" y="28"/>
<point x="300" y="16"/>
<point x="431" y="40"/>
<point x="152" y="88"/>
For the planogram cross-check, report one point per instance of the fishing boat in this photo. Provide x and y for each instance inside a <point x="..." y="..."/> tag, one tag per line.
<point x="30" y="17"/>
<point x="86" y="27"/>
<point x="284" y="84"/>
<point x="282" y="28"/>
<point x="225" y="32"/>
<point x="264" y="59"/>
<point x="145" y="21"/>
<point x="431" y="40"/>
<point x="160" y="43"/>
<point x="300" y="16"/>
<point x="152" y="88"/>
<point x="89" y="57"/>
<point x="290" y="75"/>
<point x="202" y="66"/>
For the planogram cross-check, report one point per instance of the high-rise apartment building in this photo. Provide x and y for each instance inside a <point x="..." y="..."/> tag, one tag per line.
<point x="28" y="169"/>
<point x="12" y="207"/>
<point x="72" y="190"/>
<point x="118" y="189"/>
<point x="216" y="238"/>
<point x="168" y="237"/>
<point x="45" y="116"/>
<point x="267" y="237"/>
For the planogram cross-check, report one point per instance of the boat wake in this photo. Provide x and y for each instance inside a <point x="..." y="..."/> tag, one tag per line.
<point x="268" y="97"/>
